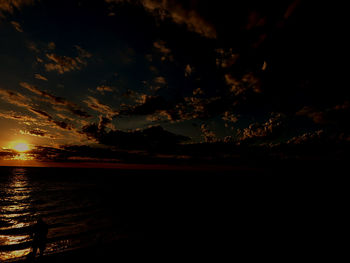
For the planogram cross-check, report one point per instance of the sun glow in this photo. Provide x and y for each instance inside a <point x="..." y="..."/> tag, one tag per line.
<point x="21" y="146"/>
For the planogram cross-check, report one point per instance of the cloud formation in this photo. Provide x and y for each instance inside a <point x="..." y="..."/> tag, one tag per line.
<point x="14" y="98"/>
<point x="308" y="137"/>
<point x="96" y="105"/>
<point x="270" y="129"/>
<point x="17" y="26"/>
<point x="9" y="6"/>
<point x="103" y="88"/>
<point x="147" y="104"/>
<point x="188" y="70"/>
<point x="72" y="107"/>
<point x="208" y="135"/>
<point x="7" y="154"/>
<point x="181" y="15"/>
<point x="337" y="114"/>
<point x="37" y="133"/>
<point x="17" y="116"/>
<point x="63" y="64"/>
<point x="226" y="57"/>
<point x="44" y="115"/>
<point x="38" y="76"/>
<point x="178" y="13"/>
<point x="166" y="53"/>
<point x="248" y="82"/>
<point x="152" y="138"/>
<point x="160" y="80"/>
<point x="229" y="117"/>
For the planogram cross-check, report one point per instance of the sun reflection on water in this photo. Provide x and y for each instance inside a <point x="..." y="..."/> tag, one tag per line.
<point x="14" y="254"/>
<point x="16" y="204"/>
<point x="12" y="240"/>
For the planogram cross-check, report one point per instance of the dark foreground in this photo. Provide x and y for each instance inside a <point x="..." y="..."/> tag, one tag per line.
<point x="283" y="213"/>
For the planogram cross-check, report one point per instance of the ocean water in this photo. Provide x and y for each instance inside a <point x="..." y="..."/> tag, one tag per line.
<point x="89" y="207"/>
<point x="177" y="209"/>
<point x="83" y="207"/>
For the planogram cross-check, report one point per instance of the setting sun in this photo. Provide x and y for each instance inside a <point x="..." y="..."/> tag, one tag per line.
<point x="21" y="147"/>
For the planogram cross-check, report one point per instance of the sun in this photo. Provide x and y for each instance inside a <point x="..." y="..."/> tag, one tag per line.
<point x="21" y="147"/>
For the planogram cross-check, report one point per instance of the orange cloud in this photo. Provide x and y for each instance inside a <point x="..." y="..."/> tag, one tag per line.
<point x="17" y="26"/>
<point x="9" y="6"/>
<point x="63" y="64"/>
<point x="178" y="14"/>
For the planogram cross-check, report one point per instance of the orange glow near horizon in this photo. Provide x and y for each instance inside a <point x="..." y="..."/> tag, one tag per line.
<point x="23" y="157"/>
<point x="22" y="148"/>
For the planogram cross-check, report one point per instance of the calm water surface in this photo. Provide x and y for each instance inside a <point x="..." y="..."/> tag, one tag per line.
<point x="82" y="207"/>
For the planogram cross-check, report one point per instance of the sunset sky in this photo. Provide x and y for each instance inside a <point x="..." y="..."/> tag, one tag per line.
<point x="147" y="81"/>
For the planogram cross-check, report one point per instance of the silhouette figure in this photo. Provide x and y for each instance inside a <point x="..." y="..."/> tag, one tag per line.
<point x="39" y="235"/>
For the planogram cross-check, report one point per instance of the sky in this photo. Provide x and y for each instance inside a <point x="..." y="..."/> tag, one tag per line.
<point x="170" y="82"/>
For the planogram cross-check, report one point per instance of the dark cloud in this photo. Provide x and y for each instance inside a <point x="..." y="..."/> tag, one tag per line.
<point x="44" y="153"/>
<point x="14" y="98"/>
<point x="84" y="153"/>
<point x="37" y="132"/>
<point x="62" y="124"/>
<point x="7" y="154"/>
<point x="98" y="106"/>
<point x="316" y="116"/>
<point x="105" y="122"/>
<point x="198" y="108"/>
<point x="177" y="109"/>
<point x="73" y="108"/>
<point x="42" y="114"/>
<point x="17" y="116"/>
<point x="151" y="138"/>
<point x="148" y="105"/>
<point x="332" y="116"/>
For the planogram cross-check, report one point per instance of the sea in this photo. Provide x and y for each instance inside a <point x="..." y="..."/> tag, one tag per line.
<point x="89" y="207"/>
